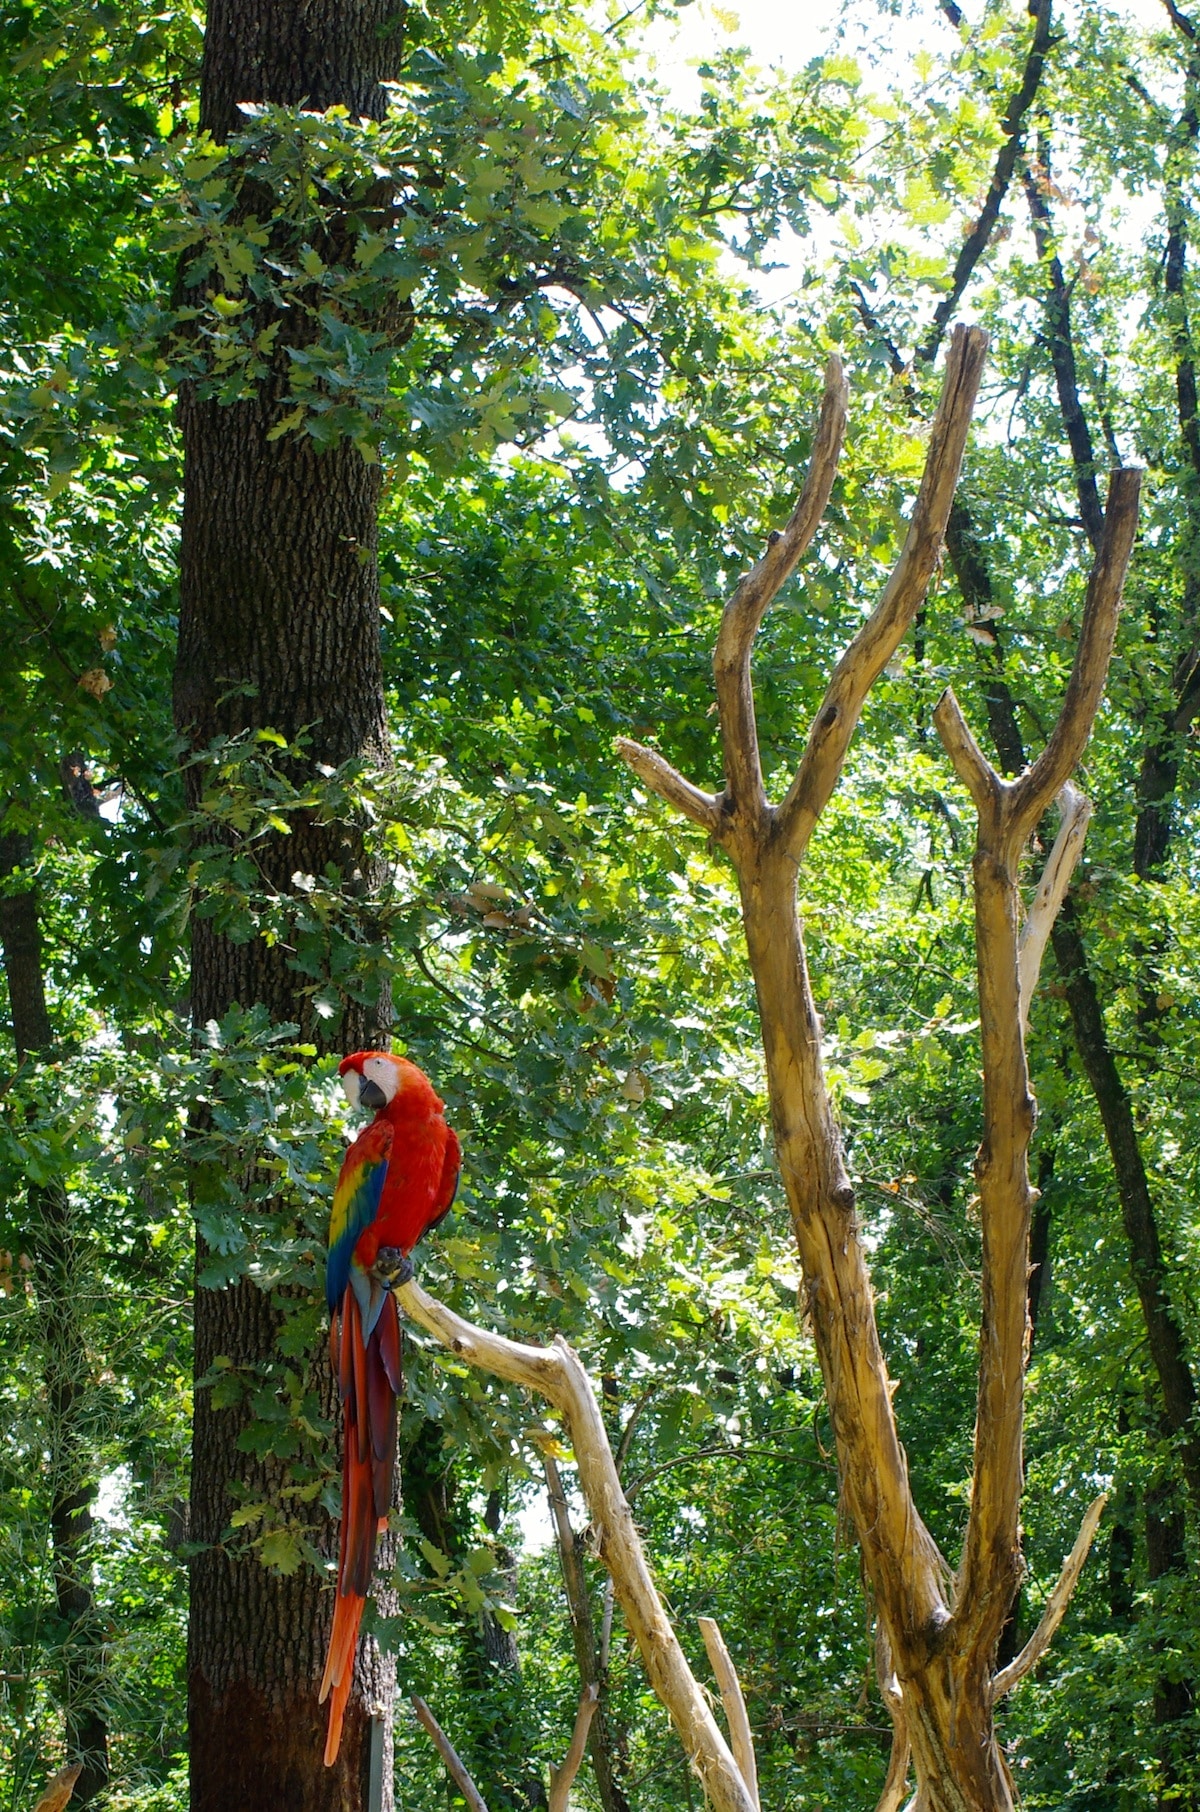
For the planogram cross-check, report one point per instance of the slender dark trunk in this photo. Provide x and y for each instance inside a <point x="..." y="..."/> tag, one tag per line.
<point x="590" y="1657"/>
<point x="72" y="1468"/>
<point x="1146" y="1258"/>
<point x="1174" y="1696"/>
<point x="498" y="1743"/>
<point x="279" y="629"/>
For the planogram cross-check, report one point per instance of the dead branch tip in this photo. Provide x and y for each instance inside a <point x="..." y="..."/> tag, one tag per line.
<point x="1056" y="1604"/>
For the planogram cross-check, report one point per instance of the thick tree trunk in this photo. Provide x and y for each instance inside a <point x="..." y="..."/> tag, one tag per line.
<point x="71" y="1463"/>
<point x="279" y="629"/>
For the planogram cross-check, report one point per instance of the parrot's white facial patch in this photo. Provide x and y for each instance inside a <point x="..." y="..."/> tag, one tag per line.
<point x="352" y="1083"/>
<point x="384" y="1074"/>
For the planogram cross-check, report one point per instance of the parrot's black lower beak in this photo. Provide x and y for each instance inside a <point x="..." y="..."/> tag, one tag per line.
<point x="371" y="1096"/>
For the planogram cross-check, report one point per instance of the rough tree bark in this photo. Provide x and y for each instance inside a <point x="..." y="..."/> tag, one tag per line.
<point x="940" y="1635"/>
<point x="279" y="629"/>
<point x="71" y="1464"/>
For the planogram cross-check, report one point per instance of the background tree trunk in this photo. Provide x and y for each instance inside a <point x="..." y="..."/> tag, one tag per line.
<point x="70" y="1454"/>
<point x="279" y="628"/>
<point x="497" y="1739"/>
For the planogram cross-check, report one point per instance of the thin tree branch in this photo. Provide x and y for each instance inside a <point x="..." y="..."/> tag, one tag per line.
<point x="720" y="1451"/>
<point x="1076" y="810"/>
<point x="558" y="1506"/>
<point x="1180" y="21"/>
<point x="878" y="639"/>
<point x="658" y="774"/>
<point x="896" y="1781"/>
<point x="606" y="1624"/>
<point x="591" y="1656"/>
<point x="630" y="1428"/>
<point x="873" y="324"/>
<point x="1012" y="126"/>
<point x="1032" y="793"/>
<point x="1056" y="1604"/>
<point x="556" y="1373"/>
<point x="561" y="1779"/>
<point x="454" y="1762"/>
<point x="749" y="604"/>
<point x="741" y="1740"/>
<point x="1057" y="306"/>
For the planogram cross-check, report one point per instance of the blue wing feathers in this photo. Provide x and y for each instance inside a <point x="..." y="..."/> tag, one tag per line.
<point x="362" y="1208"/>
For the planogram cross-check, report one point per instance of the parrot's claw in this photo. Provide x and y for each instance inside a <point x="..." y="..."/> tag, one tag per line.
<point x="393" y="1267"/>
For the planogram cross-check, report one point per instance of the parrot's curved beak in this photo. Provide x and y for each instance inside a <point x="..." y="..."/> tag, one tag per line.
<point x="371" y="1096"/>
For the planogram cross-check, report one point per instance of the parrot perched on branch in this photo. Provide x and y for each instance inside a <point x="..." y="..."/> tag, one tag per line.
<point x="397" y="1181"/>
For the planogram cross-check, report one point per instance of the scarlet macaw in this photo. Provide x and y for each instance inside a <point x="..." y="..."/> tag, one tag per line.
<point x="397" y="1181"/>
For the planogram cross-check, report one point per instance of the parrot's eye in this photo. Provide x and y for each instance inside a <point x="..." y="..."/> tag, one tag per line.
<point x="352" y="1083"/>
<point x="384" y="1074"/>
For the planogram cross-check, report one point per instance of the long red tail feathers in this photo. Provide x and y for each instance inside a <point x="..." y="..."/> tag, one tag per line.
<point x="339" y="1669"/>
<point x="369" y="1380"/>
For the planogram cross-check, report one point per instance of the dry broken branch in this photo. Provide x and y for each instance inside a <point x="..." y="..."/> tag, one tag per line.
<point x="1056" y="1604"/>
<point x="880" y="636"/>
<point x="556" y="1373"/>
<point x="896" y="1781"/>
<point x="967" y="758"/>
<point x="1076" y="811"/>
<point x="702" y="808"/>
<point x="561" y="1779"/>
<point x="750" y="602"/>
<point x="741" y="1740"/>
<point x="455" y="1766"/>
<point x="591" y="1656"/>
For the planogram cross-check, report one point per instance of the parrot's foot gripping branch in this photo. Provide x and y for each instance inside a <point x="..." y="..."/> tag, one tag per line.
<point x="393" y="1267"/>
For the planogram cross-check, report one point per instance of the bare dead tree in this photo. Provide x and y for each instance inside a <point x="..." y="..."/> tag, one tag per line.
<point x="590" y="1649"/>
<point x="940" y="1631"/>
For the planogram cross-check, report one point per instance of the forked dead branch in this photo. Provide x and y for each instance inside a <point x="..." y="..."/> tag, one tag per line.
<point x="938" y="1629"/>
